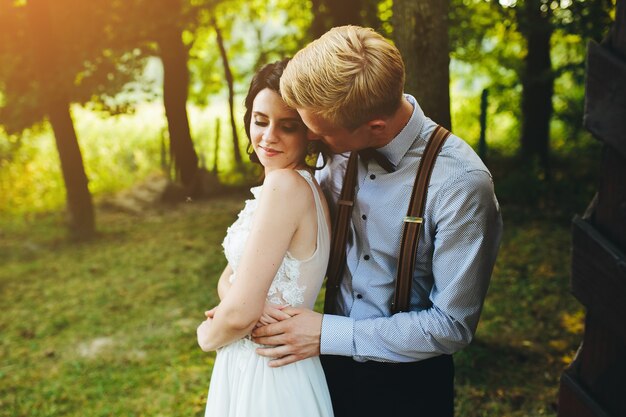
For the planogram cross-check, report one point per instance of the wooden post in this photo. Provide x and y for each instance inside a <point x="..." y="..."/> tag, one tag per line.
<point x="217" y="145"/>
<point x="482" y="141"/>
<point x="595" y="383"/>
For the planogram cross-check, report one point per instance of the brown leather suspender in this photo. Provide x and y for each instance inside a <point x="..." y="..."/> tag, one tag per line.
<point x="413" y="221"/>
<point x="410" y="234"/>
<point x="337" y="261"/>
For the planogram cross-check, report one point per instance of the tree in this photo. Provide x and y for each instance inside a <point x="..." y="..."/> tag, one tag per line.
<point x="331" y="13"/>
<point x="537" y="20"/>
<point x="420" y="30"/>
<point x="174" y="55"/>
<point x="537" y="79"/>
<point x="46" y="67"/>
<point x="228" y="75"/>
<point x="156" y="28"/>
<point x="518" y="36"/>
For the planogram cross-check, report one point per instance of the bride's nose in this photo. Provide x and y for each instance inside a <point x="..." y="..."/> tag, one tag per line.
<point x="270" y="134"/>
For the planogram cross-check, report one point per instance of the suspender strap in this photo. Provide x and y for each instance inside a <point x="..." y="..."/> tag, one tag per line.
<point x="410" y="233"/>
<point x="337" y="261"/>
<point x="413" y="221"/>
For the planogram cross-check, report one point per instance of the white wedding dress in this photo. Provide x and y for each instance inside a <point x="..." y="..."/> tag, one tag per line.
<point x="242" y="383"/>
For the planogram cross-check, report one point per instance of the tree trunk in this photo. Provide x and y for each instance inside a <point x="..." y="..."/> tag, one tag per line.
<point x="175" y="92"/>
<point x="45" y="50"/>
<point x="231" y="91"/>
<point x="537" y="84"/>
<point x="330" y="13"/>
<point x="346" y="12"/>
<point x="79" y="203"/>
<point x="370" y="14"/>
<point x="421" y="34"/>
<point x="321" y="20"/>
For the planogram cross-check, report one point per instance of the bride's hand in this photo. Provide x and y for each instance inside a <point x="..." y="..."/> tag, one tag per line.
<point x="210" y="313"/>
<point x="272" y="313"/>
<point x="202" y="333"/>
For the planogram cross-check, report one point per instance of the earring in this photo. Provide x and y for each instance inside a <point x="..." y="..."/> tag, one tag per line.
<point x="253" y="156"/>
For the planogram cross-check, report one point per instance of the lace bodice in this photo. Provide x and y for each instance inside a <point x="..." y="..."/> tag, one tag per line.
<point x="296" y="282"/>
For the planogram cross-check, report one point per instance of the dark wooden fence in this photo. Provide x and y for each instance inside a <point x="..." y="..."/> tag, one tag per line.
<point x="595" y="383"/>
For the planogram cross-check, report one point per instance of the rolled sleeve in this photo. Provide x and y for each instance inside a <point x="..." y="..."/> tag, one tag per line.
<point x="337" y="335"/>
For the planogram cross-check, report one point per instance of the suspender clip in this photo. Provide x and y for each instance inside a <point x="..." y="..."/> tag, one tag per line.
<point x="345" y="203"/>
<point x="411" y="219"/>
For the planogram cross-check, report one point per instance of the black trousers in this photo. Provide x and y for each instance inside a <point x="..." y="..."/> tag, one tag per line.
<point x="377" y="389"/>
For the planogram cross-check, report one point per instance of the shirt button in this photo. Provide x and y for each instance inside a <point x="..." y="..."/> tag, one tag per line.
<point x="366" y="257"/>
<point x="372" y="177"/>
<point x="364" y="217"/>
<point x="359" y="296"/>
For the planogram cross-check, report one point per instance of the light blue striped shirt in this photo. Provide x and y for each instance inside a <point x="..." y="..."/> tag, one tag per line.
<point x="457" y="250"/>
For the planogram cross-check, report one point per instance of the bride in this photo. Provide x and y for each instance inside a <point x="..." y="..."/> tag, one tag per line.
<point x="277" y="252"/>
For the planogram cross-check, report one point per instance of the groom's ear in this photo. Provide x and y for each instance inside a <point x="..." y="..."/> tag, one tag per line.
<point x="377" y="126"/>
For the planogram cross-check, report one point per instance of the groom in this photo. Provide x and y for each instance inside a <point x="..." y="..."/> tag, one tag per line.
<point x="348" y="88"/>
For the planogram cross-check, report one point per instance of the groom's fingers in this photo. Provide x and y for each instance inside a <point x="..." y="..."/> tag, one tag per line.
<point x="276" y="352"/>
<point x="274" y="340"/>
<point x="285" y="360"/>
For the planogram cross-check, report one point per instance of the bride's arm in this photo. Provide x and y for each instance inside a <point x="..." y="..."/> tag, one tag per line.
<point x="272" y="313"/>
<point x="285" y="197"/>
<point x="223" y="285"/>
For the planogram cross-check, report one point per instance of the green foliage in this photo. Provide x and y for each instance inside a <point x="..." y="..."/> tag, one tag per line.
<point x="53" y="52"/>
<point x="118" y="152"/>
<point x="488" y="48"/>
<point x="255" y="33"/>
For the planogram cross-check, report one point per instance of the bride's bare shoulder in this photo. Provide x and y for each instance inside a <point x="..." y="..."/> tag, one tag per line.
<point x="287" y="182"/>
<point x="286" y="195"/>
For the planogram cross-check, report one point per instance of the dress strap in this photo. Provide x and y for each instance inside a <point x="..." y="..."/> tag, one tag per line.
<point x="322" y="228"/>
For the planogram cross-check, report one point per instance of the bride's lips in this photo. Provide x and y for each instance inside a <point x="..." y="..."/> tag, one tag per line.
<point x="269" y="151"/>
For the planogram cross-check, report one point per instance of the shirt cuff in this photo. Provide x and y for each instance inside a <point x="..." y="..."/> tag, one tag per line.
<point x="337" y="336"/>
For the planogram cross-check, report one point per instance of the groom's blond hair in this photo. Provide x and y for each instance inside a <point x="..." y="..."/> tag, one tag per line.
<point x="348" y="76"/>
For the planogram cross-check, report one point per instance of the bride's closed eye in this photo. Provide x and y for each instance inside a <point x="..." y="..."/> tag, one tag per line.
<point x="291" y="127"/>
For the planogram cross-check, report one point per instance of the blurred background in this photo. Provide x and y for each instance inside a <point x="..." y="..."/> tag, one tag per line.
<point x="123" y="161"/>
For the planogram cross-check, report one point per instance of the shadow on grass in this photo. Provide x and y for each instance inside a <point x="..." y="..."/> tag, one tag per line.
<point x="497" y="378"/>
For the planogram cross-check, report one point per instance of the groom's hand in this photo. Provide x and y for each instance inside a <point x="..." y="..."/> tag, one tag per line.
<point x="293" y="339"/>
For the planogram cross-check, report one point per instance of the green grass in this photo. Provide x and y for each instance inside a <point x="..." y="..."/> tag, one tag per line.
<point x="107" y="328"/>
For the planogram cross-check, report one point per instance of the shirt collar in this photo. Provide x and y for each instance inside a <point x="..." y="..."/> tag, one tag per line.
<point x="399" y="146"/>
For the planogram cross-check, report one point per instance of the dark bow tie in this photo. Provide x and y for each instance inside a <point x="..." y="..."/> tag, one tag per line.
<point x="371" y="153"/>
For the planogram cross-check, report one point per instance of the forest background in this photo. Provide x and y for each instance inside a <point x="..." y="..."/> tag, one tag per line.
<point x="123" y="160"/>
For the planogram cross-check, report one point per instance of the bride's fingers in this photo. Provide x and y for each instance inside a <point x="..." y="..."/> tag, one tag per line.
<point x="267" y="319"/>
<point x="276" y="314"/>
